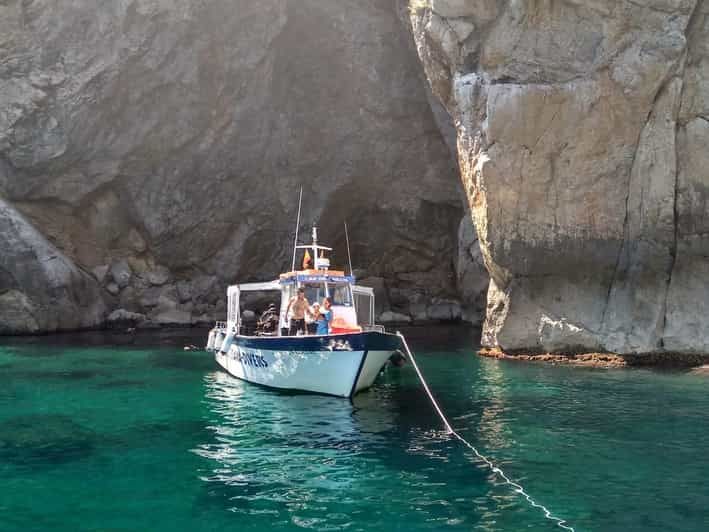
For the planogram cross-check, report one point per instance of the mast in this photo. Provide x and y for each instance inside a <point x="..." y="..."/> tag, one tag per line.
<point x="315" y="247"/>
<point x="349" y="257"/>
<point x="297" y="225"/>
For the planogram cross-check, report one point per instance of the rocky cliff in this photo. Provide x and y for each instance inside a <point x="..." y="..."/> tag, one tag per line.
<point x="151" y="152"/>
<point x="582" y="130"/>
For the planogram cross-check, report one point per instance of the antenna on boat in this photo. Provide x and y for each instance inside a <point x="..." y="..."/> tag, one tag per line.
<point x="349" y="257"/>
<point x="315" y="248"/>
<point x="297" y="225"/>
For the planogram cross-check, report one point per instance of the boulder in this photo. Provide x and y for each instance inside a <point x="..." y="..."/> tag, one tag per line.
<point x="170" y="312"/>
<point x="113" y="288"/>
<point x="394" y="317"/>
<point x="121" y="318"/>
<point x="444" y="311"/>
<point x="121" y="273"/>
<point x="159" y="276"/>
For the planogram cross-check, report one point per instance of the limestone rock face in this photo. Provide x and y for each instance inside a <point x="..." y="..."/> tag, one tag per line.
<point x="162" y="145"/>
<point x="40" y="289"/>
<point x="473" y="279"/>
<point x="582" y="136"/>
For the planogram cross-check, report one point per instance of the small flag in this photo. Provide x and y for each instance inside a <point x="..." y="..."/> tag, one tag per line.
<point x="306" y="260"/>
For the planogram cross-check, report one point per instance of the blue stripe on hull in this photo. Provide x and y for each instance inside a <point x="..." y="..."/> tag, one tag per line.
<point x="365" y="341"/>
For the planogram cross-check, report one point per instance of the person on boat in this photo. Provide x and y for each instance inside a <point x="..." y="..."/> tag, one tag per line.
<point x="312" y="323"/>
<point x="268" y="322"/>
<point x="325" y="317"/>
<point x="300" y="306"/>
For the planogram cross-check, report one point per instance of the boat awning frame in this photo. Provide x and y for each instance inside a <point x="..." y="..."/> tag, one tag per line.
<point x="317" y="278"/>
<point x="254" y="287"/>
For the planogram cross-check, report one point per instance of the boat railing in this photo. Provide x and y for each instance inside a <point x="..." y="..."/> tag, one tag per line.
<point x="373" y="328"/>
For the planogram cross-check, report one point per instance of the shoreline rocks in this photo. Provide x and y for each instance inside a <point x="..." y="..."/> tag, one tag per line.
<point x="605" y="360"/>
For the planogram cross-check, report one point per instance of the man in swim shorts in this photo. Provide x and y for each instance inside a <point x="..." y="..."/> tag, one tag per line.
<point x="300" y="306"/>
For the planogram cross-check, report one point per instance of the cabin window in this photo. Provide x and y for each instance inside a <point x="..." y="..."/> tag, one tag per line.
<point x="364" y="303"/>
<point x="340" y="294"/>
<point x="314" y="293"/>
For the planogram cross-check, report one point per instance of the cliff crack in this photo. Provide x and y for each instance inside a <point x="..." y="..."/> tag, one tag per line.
<point x="675" y="211"/>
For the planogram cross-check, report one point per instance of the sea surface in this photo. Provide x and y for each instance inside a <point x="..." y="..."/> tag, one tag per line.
<point x="123" y="433"/>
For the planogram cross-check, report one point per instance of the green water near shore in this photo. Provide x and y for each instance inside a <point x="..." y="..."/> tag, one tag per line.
<point x="103" y="433"/>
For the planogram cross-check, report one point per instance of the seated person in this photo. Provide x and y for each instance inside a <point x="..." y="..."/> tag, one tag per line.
<point x="268" y="322"/>
<point x="300" y="306"/>
<point x="325" y="317"/>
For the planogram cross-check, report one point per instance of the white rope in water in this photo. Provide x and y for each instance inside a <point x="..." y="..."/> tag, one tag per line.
<point x="495" y="469"/>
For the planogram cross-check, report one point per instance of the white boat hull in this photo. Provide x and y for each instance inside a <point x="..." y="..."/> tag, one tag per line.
<point x="340" y="365"/>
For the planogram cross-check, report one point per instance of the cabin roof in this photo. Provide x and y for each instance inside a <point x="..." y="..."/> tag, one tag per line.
<point x="334" y="273"/>
<point x="316" y="276"/>
<point x="302" y="276"/>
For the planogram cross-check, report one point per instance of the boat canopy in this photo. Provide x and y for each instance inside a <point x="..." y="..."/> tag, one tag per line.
<point x="234" y="294"/>
<point x="252" y="287"/>
<point x="323" y="277"/>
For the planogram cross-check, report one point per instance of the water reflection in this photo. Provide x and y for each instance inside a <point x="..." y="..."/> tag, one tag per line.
<point x="285" y="415"/>
<point x="286" y="447"/>
<point x="492" y="425"/>
<point x="315" y="461"/>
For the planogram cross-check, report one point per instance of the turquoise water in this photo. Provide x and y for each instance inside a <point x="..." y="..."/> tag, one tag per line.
<point x="97" y="433"/>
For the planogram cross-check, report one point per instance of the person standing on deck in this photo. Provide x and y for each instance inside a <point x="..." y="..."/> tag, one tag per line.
<point x="325" y="317"/>
<point x="300" y="306"/>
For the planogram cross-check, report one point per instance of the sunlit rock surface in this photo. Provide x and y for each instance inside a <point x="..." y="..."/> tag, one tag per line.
<point x="161" y="145"/>
<point x="582" y="132"/>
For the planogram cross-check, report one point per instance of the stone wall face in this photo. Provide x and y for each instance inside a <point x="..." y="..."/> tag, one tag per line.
<point x="582" y="132"/>
<point x="161" y="145"/>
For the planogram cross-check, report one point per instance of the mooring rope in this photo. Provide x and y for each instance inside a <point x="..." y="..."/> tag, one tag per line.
<point x="494" y="468"/>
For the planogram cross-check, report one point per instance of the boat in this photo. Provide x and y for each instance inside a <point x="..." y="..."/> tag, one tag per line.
<point x="342" y="363"/>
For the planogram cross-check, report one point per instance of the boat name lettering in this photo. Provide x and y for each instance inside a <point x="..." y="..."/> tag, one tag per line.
<point x="256" y="361"/>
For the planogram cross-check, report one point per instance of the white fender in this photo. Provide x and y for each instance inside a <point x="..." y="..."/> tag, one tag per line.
<point x="210" y="339"/>
<point x="227" y="342"/>
<point x="218" y="339"/>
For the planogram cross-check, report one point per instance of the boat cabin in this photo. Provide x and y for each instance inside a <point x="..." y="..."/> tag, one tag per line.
<point x="352" y="305"/>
